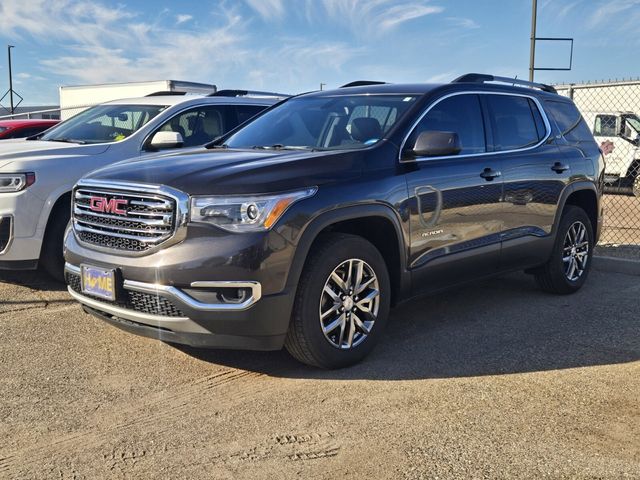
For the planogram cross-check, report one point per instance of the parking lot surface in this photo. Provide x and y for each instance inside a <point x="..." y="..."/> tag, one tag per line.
<point x="493" y="380"/>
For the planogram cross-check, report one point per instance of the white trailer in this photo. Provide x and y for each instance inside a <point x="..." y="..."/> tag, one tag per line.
<point x="74" y="99"/>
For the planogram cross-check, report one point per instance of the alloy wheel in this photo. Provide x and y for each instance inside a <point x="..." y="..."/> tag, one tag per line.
<point x="349" y="304"/>
<point x="576" y="251"/>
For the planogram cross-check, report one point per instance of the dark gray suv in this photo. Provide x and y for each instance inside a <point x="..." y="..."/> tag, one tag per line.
<point x="303" y="227"/>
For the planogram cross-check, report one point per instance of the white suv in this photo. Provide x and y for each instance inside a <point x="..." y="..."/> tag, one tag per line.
<point x="37" y="174"/>
<point x="622" y="129"/>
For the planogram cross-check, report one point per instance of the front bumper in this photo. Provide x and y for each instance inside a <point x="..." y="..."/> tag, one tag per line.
<point x="172" y="315"/>
<point x="24" y="211"/>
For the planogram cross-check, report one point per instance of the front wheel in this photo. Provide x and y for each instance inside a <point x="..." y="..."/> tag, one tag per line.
<point x="51" y="257"/>
<point x="569" y="265"/>
<point x="342" y="303"/>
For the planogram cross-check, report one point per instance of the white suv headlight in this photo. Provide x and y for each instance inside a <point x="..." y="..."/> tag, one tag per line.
<point x="14" y="182"/>
<point x="245" y="213"/>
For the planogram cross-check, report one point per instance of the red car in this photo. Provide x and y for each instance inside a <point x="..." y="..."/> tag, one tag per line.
<point x="23" y="128"/>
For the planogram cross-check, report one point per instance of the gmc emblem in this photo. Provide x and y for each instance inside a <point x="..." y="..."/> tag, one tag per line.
<point x="104" y="205"/>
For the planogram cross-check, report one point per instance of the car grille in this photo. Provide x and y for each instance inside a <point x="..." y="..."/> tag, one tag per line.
<point x="138" y="301"/>
<point x="123" y="220"/>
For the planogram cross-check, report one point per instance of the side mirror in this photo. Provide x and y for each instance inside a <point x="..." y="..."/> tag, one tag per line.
<point x="436" y="144"/>
<point x="163" y="140"/>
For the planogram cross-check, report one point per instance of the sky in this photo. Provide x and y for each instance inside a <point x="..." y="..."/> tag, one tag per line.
<point x="293" y="46"/>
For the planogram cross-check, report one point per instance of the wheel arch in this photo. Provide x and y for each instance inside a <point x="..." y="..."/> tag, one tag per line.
<point x="584" y="195"/>
<point x="62" y="202"/>
<point x="375" y="223"/>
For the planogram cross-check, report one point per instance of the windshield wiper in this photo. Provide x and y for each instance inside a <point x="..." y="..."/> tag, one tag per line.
<point x="213" y="147"/>
<point x="67" y="140"/>
<point x="279" y="146"/>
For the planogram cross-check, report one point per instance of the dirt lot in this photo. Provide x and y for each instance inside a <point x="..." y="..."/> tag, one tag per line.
<point x="496" y="380"/>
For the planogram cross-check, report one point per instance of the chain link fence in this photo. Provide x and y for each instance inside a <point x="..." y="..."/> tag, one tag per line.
<point x="612" y="111"/>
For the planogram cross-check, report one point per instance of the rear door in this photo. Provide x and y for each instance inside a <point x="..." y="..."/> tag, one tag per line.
<point x="536" y="173"/>
<point x="455" y="209"/>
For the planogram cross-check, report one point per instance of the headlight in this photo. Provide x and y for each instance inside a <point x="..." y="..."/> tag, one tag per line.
<point x="14" y="182"/>
<point x="245" y="213"/>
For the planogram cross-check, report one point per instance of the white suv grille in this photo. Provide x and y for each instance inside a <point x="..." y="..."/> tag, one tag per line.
<point x="123" y="220"/>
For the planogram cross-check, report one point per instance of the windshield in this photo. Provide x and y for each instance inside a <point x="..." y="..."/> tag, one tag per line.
<point x="103" y="123"/>
<point x="324" y="123"/>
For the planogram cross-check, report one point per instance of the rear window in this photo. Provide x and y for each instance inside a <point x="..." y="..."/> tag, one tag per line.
<point x="516" y="121"/>
<point x="569" y="121"/>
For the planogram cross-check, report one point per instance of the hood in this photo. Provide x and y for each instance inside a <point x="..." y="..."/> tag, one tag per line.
<point x="203" y="172"/>
<point x="25" y="150"/>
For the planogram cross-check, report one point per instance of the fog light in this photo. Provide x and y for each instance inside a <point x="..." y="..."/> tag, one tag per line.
<point x="5" y="232"/>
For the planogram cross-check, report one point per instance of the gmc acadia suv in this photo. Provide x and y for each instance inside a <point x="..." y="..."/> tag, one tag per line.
<point x="304" y="226"/>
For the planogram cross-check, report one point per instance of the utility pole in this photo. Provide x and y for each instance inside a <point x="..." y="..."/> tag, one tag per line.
<point x="9" y="47"/>
<point x="532" y="56"/>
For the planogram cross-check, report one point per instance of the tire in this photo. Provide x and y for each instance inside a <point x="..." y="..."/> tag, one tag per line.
<point x="556" y="275"/>
<point x="336" y="253"/>
<point x="51" y="257"/>
<point x="636" y="186"/>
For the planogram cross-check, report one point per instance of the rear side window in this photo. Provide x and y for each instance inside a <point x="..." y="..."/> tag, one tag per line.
<point x="516" y="122"/>
<point x="461" y="114"/>
<point x="245" y="112"/>
<point x="569" y="121"/>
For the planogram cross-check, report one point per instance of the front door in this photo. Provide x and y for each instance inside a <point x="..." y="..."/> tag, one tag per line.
<point x="455" y="209"/>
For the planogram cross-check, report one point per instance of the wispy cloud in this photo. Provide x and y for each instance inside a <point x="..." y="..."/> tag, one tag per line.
<point x="358" y="15"/>
<point x="102" y="43"/>
<point x="606" y="13"/>
<point x="268" y="9"/>
<point x="183" y="17"/>
<point x="398" y="14"/>
<point x="461" y="22"/>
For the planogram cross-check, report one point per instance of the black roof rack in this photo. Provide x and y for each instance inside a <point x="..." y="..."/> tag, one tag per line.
<point x="166" y="93"/>
<point x="482" y="78"/>
<point x="245" y="93"/>
<point x="362" y="83"/>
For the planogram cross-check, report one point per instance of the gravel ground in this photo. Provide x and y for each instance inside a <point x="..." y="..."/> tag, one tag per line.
<point x="495" y="380"/>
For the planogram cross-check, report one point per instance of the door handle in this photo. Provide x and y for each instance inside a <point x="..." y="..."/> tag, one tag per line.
<point x="489" y="174"/>
<point x="560" y="167"/>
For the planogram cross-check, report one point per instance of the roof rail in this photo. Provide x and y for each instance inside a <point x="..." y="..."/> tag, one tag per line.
<point x="482" y="78"/>
<point x="245" y="93"/>
<point x="362" y="83"/>
<point x="165" y="93"/>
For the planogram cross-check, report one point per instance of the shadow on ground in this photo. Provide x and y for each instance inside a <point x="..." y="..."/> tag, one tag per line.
<point x="497" y="327"/>
<point x="34" y="279"/>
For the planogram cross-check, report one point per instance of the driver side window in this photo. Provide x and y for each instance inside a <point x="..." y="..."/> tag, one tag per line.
<point x="460" y="114"/>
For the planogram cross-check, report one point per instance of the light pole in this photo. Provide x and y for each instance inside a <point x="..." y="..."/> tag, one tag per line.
<point x="9" y="47"/>
<point x="532" y="54"/>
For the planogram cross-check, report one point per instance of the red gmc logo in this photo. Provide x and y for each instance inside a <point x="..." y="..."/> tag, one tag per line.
<point x="104" y="205"/>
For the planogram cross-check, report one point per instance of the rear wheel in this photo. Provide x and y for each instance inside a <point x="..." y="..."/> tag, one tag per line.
<point x="342" y="303"/>
<point x="569" y="265"/>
